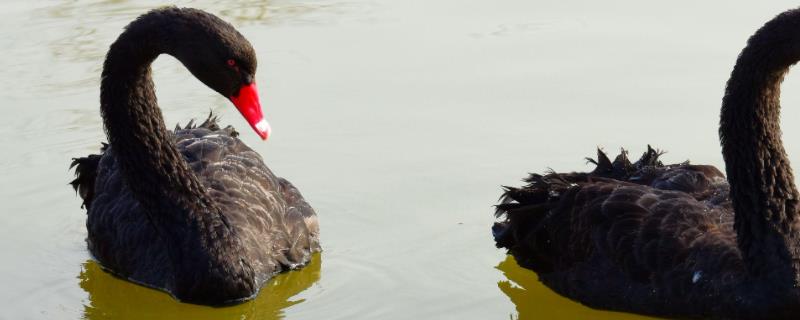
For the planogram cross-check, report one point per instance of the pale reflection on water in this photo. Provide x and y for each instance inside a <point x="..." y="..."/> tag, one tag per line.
<point x="114" y="298"/>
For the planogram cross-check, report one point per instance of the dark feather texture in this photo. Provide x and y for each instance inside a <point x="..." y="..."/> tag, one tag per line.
<point x="193" y="211"/>
<point x="677" y="240"/>
<point x="278" y="229"/>
<point x="641" y="233"/>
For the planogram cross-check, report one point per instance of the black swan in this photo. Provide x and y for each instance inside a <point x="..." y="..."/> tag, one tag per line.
<point x="678" y="240"/>
<point x="193" y="212"/>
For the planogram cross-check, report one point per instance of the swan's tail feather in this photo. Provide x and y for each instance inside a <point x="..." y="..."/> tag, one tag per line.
<point x="530" y="213"/>
<point x="526" y="211"/>
<point x="85" y="174"/>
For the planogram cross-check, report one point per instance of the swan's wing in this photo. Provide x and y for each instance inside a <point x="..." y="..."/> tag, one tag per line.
<point x="277" y="227"/>
<point x="653" y="224"/>
<point x="301" y="217"/>
<point x="119" y="234"/>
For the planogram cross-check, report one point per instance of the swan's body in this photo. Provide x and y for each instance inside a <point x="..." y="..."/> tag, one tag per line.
<point x="193" y="211"/>
<point x="678" y="240"/>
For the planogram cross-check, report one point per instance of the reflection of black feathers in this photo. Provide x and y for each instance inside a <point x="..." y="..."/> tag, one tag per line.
<point x="643" y="230"/>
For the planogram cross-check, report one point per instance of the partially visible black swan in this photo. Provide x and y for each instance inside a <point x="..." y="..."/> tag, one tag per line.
<point x="678" y="240"/>
<point x="192" y="211"/>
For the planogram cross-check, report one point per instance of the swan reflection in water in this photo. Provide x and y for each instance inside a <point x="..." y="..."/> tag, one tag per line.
<point x="535" y="301"/>
<point x="114" y="298"/>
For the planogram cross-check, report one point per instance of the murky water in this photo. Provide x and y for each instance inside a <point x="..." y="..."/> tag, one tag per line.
<point x="398" y="120"/>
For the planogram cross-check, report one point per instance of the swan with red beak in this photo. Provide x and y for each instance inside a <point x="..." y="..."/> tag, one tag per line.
<point x="194" y="212"/>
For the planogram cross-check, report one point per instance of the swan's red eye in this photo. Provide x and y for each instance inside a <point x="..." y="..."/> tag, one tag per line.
<point x="231" y="62"/>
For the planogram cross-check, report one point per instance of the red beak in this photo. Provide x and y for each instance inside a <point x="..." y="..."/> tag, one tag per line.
<point x="247" y="103"/>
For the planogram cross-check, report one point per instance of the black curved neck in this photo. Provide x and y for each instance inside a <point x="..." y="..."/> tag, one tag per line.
<point x="201" y="244"/>
<point x="154" y="169"/>
<point x="763" y="192"/>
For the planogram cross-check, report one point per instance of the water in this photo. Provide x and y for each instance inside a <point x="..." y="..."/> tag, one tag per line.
<point x="398" y="120"/>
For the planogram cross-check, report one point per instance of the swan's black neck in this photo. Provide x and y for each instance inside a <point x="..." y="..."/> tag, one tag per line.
<point x="201" y="243"/>
<point x="764" y="195"/>
<point x="153" y="167"/>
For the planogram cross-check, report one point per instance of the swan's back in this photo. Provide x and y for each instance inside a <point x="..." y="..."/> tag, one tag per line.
<point x="276" y="227"/>
<point x="641" y="237"/>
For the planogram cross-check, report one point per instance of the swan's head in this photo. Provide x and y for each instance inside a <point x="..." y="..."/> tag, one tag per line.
<point x="222" y="59"/>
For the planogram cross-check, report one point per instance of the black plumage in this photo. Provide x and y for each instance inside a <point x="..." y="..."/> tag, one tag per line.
<point x="678" y="240"/>
<point x="193" y="211"/>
